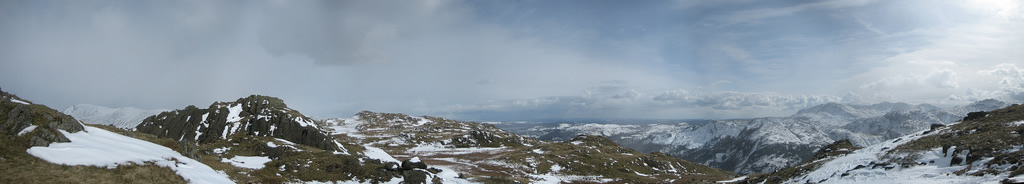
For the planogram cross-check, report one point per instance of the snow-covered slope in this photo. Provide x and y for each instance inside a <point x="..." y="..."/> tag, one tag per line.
<point x="98" y="147"/>
<point x="125" y="117"/>
<point x="983" y="150"/>
<point x="767" y="144"/>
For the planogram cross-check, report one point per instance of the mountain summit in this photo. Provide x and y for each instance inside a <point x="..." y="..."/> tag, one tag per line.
<point x="254" y="115"/>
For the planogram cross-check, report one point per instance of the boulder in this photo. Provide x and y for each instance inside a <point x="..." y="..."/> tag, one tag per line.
<point x="413" y="163"/>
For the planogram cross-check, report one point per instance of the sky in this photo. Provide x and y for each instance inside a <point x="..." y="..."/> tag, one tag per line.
<point x="515" y="60"/>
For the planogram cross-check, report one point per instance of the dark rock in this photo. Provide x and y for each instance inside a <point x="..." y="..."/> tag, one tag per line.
<point x="414" y="177"/>
<point x="936" y="126"/>
<point x="410" y="165"/>
<point x="975" y="115"/>
<point x="19" y="118"/>
<point x="43" y="137"/>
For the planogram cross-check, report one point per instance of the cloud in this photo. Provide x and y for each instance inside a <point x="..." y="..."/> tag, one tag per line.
<point x="944" y="78"/>
<point x="346" y="32"/>
<point x="615" y="99"/>
<point x="754" y="15"/>
<point x="1008" y="71"/>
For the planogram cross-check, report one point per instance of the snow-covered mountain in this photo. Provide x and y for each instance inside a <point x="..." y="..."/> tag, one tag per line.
<point x="767" y="144"/>
<point x="125" y="117"/>
<point x="986" y="149"/>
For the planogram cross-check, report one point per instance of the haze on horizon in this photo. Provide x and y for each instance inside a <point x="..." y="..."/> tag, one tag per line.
<point x="509" y="60"/>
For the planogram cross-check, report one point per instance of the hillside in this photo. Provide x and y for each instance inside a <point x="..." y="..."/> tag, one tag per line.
<point x="41" y="145"/>
<point x="983" y="148"/>
<point x="767" y="144"/>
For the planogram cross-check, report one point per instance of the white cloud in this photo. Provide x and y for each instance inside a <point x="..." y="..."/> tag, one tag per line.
<point x="748" y="16"/>
<point x="1008" y="71"/>
<point x="944" y="78"/>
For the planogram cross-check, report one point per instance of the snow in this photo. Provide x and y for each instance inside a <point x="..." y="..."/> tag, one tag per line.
<point x="422" y="121"/>
<point x="937" y="169"/>
<point x="556" y="168"/>
<point x="98" y="147"/>
<point x="233" y="113"/>
<point x="344" y="126"/>
<point x="1017" y="123"/>
<point x="19" y="101"/>
<point x="285" y="141"/>
<point x="27" y="130"/>
<point x="379" y="154"/>
<point x="538" y="151"/>
<point x="303" y="122"/>
<point x="221" y="150"/>
<point x="741" y="178"/>
<point x="415" y="160"/>
<point x="251" y="162"/>
<point x="448" y="175"/>
<point x="436" y="148"/>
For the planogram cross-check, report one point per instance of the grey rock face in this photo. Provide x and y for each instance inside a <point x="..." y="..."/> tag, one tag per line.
<point x="16" y="117"/>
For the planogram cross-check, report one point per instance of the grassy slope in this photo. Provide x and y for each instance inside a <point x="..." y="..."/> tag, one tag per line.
<point x="18" y="166"/>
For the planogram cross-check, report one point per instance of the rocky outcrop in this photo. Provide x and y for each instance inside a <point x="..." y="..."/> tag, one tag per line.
<point x="480" y="138"/>
<point x="22" y="118"/>
<point x="250" y="116"/>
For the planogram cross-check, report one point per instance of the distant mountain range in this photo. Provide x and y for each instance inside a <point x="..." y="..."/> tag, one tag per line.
<point x="983" y="148"/>
<point x="767" y="144"/>
<point x="125" y="117"/>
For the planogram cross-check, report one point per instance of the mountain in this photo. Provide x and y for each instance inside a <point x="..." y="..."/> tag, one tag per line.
<point x="125" y="118"/>
<point x="986" y="148"/>
<point x="767" y="144"/>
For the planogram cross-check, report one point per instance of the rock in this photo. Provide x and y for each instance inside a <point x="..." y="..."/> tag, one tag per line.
<point x="19" y="118"/>
<point x="975" y="115"/>
<point x="413" y="163"/>
<point x="64" y="122"/>
<point x="259" y="116"/>
<point x="43" y="137"/>
<point x="415" y="177"/>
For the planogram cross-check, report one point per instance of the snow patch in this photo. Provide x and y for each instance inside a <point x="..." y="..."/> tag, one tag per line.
<point x="379" y="154"/>
<point x="98" y="147"/>
<point x="741" y="178"/>
<point x="1017" y="123"/>
<point x="27" y="130"/>
<point x="251" y="162"/>
<point x="233" y="112"/>
<point x="19" y="101"/>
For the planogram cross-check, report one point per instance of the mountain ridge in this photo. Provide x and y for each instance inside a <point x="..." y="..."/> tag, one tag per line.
<point x="772" y="143"/>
